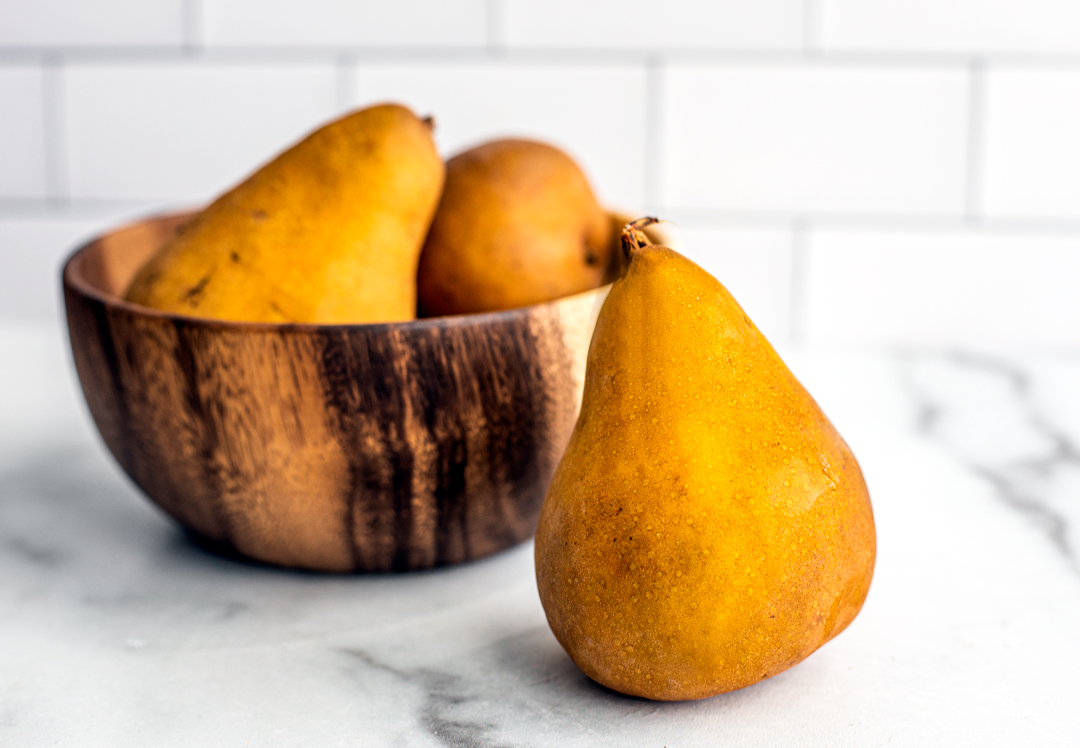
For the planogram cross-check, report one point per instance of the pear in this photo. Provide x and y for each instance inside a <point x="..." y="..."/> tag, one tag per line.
<point x="518" y="224"/>
<point x="706" y="527"/>
<point x="330" y="231"/>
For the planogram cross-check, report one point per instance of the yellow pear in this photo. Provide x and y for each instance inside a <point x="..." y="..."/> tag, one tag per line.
<point x="518" y="224"/>
<point x="330" y="231"/>
<point x="707" y="527"/>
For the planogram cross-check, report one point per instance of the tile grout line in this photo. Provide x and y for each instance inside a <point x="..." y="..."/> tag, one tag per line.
<point x="43" y="208"/>
<point x="653" y="155"/>
<point x="57" y="181"/>
<point x="191" y="20"/>
<point x="345" y="75"/>
<point x="194" y="44"/>
<point x="900" y="221"/>
<point x="976" y="137"/>
<point x="797" y="298"/>
<point x="997" y="225"/>
<point x="496" y="32"/>
<point x="811" y="14"/>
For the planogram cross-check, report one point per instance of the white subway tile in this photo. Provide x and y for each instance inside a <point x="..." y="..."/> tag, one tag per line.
<point x="433" y="23"/>
<point x="961" y="288"/>
<point x="29" y="23"/>
<point x="186" y="132"/>
<point x="32" y="250"/>
<point x="595" y="113"/>
<point x="652" y="24"/>
<point x="22" y="128"/>
<point x="1032" y="143"/>
<point x="950" y="25"/>
<point x="815" y="138"/>
<point x="754" y="264"/>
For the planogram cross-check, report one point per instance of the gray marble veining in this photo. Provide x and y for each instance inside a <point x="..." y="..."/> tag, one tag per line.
<point x="117" y="630"/>
<point x="983" y="409"/>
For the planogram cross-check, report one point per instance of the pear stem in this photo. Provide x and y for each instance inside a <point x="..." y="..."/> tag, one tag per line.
<point x="633" y="238"/>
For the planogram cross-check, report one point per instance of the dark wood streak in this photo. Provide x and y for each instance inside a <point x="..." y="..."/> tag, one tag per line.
<point x="345" y="447"/>
<point x="451" y="539"/>
<point x="443" y="384"/>
<point x="102" y="338"/>
<point x="515" y="423"/>
<point x="468" y="393"/>
<point x="493" y="425"/>
<point x="370" y="419"/>
<point x="207" y="433"/>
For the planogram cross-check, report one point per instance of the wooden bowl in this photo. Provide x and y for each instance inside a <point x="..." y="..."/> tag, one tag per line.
<point x="332" y="447"/>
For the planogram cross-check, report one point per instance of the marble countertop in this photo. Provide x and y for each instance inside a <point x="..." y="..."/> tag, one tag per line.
<point x="116" y="630"/>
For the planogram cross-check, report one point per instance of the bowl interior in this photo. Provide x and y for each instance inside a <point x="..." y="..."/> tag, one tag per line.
<point x="107" y="264"/>
<point x="105" y="267"/>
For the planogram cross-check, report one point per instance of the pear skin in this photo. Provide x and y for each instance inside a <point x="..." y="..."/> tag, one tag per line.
<point x="706" y="527"/>
<point x="517" y="224"/>
<point x="330" y="231"/>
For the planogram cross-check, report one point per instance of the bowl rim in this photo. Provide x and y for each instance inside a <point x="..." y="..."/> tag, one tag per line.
<point x="75" y="282"/>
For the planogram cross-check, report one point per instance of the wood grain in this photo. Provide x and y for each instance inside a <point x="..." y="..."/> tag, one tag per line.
<point x="339" y="448"/>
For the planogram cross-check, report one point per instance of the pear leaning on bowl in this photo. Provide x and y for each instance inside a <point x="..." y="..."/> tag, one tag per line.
<point x="329" y="231"/>
<point x="707" y="527"/>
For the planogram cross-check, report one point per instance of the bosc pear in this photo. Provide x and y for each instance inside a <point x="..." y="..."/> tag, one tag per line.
<point x="706" y="527"/>
<point x="517" y="224"/>
<point x="329" y="231"/>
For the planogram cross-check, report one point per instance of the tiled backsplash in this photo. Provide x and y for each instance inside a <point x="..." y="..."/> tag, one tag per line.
<point x="858" y="172"/>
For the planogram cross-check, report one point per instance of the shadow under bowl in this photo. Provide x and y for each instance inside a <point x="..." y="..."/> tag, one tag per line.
<point x="369" y="447"/>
